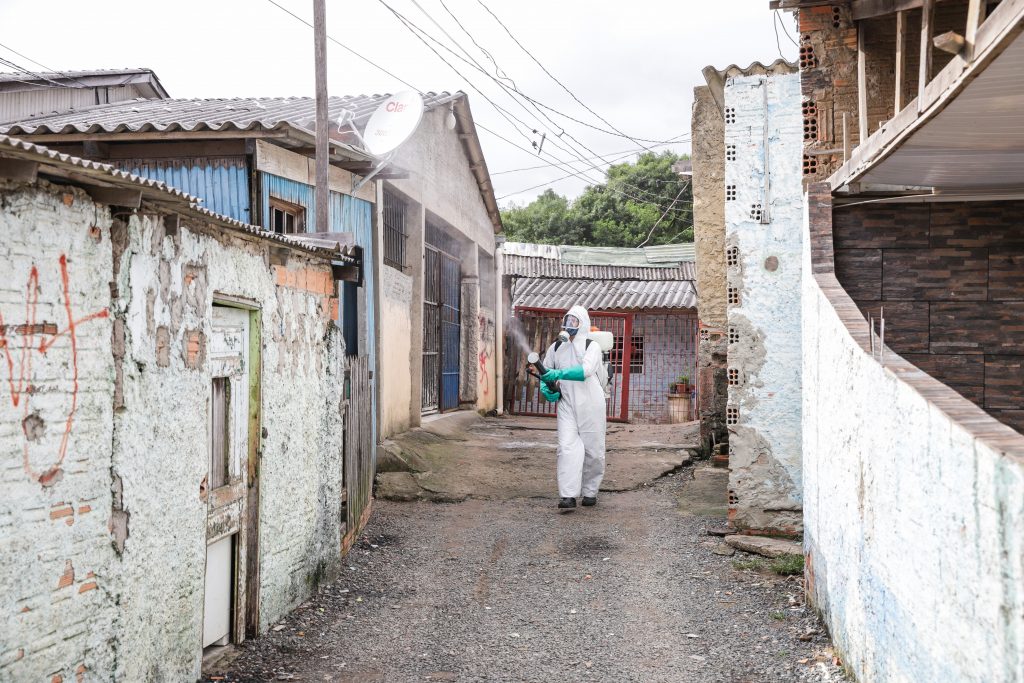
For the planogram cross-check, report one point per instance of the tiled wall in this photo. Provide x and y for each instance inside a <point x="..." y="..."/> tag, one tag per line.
<point x="949" y="278"/>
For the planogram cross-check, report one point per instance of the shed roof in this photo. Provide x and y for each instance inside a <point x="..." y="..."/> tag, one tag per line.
<point x="144" y="79"/>
<point x="292" y="120"/>
<point x="668" y="262"/>
<point x="605" y="295"/>
<point x="98" y="177"/>
<point x="216" y="114"/>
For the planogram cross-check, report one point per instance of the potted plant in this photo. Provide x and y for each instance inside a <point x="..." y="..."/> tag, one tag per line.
<point x="682" y="385"/>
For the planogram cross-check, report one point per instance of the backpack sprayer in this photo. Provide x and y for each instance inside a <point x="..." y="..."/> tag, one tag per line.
<point x="604" y="340"/>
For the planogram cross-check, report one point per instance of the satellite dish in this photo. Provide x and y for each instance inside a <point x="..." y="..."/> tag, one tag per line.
<point x="394" y="122"/>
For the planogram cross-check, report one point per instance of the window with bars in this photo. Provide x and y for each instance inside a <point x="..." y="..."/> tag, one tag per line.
<point x="286" y="218"/>
<point x="395" y="234"/>
<point x="636" y="359"/>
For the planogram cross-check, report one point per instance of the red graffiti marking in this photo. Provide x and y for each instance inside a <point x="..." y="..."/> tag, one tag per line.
<point x="20" y="382"/>
<point x="485" y="379"/>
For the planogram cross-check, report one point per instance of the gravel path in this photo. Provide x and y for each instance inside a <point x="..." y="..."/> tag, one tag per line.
<point x="513" y="591"/>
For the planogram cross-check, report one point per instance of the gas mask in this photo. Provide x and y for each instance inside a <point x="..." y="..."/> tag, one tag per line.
<point x="571" y="325"/>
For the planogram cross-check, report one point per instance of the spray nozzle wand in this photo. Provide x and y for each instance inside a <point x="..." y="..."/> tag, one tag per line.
<point x="534" y="360"/>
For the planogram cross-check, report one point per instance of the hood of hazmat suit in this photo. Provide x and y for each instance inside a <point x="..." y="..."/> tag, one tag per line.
<point x="581" y="412"/>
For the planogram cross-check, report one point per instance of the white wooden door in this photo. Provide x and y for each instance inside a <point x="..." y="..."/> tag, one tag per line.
<point x="226" y="478"/>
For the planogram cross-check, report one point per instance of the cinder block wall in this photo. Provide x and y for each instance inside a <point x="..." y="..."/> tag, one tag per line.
<point x="763" y="260"/>
<point x="103" y="517"/>
<point x="947" y="276"/>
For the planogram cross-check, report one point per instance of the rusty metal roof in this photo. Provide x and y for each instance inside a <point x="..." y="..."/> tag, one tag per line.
<point x="66" y="168"/>
<point x="193" y="115"/>
<point x="605" y="295"/>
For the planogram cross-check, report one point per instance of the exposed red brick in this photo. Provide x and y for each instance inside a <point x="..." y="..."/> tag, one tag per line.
<point x="82" y="509"/>
<point x="87" y="586"/>
<point x="95" y="233"/>
<point x="57" y="678"/>
<point x="61" y="510"/>
<point x="20" y="655"/>
<point x="68" y="577"/>
<point x="80" y="673"/>
<point x="68" y="198"/>
<point x="195" y="349"/>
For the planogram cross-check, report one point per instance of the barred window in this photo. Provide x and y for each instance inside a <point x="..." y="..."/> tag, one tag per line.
<point x="636" y="359"/>
<point x="395" y="235"/>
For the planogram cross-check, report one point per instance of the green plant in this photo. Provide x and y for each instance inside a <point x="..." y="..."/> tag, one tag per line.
<point x="778" y="616"/>
<point x="753" y="564"/>
<point x="788" y="565"/>
<point x="683" y="379"/>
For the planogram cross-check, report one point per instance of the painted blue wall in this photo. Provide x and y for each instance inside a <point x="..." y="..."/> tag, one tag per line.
<point x="347" y="214"/>
<point x="222" y="182"/>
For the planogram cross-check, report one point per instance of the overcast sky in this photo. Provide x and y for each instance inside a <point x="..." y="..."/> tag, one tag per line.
<point x="633" y="63"/>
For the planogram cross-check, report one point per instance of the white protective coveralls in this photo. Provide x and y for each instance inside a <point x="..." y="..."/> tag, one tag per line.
<point x="581" y="413"/>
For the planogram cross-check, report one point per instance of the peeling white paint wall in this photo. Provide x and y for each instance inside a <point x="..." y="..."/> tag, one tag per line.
<point x="764" y="326"/>
<point x="915" y="553"/>
<point x="128" y="605"/>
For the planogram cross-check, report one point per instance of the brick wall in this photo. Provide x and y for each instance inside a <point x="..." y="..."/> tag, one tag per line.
<point x="828" y="75"/>
<point x="948" y="276"/>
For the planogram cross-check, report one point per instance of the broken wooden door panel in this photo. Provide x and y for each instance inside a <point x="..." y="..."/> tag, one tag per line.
<point x="226" y="528"/>
<point x="217" y="598"/>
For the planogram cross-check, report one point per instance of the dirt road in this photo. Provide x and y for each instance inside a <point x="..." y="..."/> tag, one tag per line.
<point x="507" y="589"/>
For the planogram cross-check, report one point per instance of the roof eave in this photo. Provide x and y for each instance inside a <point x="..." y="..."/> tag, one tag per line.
<point x="466" y="130"/>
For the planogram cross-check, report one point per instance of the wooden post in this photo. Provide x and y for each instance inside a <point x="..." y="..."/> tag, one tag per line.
<point x="925" y="72"/>
<point x="322" y="148"/>
<point x="901" y="60"/>
<point x="975" y="15"/>
<point x="862" y="86"/>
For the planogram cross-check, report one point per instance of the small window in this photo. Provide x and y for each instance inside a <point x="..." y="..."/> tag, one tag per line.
<point x="636" y="359"/>
<point x="286" y="218"/>
<point x="220" y="419"/>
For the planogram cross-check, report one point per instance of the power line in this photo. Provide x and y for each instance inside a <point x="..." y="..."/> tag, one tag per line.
<point x="348" y="49"/>
<point x="551" y="75"/>
<point x="417" y="31"/>
<point x="410" y="85"/>
<point x="662" y="216"/>
<point x="627" y="152"/>
<point x="18" y="67"/>
<point x="48" y="68"/>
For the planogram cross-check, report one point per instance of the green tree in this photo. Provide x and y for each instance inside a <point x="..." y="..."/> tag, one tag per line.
<point x="619" y="212"/>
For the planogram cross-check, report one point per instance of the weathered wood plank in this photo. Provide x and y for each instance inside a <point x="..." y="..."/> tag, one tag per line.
<point x="925" y="68"/>
<point x="901" y="61"/>
<point x="950" y="41"/>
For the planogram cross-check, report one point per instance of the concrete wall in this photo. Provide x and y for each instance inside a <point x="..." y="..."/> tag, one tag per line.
<point x="764" y="316"/>
<point x="441" y="185"/>
<point x="912" y="521"/>
<point x="708" y="135"/>
<point x="103" y="559"/>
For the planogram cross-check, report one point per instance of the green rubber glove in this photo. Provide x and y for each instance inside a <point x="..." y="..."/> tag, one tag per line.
<point x="575" y="373"/>
<point x="552" y="396"/>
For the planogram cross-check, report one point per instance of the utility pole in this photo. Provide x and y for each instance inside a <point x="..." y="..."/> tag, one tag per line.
<point x="322" y="148"/>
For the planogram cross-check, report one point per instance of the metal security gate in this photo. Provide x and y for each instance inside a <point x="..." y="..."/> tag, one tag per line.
<point x="652" y="351"/>
<point x="451" y="331"/>
<point x="431" y="391"/>
<point x="540" y="326"/>
<point x="442" y="323"/>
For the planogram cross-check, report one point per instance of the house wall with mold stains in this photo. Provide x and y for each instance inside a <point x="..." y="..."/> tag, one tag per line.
<point x="763" y="295"/>
<point x="103" y="525"/>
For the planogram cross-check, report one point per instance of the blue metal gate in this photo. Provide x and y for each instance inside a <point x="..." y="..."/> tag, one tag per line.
<point x="451" y="331"/>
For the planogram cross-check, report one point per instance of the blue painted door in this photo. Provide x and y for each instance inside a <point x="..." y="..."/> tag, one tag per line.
<point x="451" y="331"/>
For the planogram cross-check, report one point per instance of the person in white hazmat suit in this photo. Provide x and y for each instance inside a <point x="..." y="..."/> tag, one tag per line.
<point x="576" y="366"/>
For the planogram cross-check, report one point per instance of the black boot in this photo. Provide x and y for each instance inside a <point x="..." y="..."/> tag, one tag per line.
<point x="566" y="503"/>
<point x="589" y="501"/>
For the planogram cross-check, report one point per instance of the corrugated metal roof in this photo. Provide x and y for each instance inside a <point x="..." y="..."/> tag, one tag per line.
<point x="145" y="82"/>
<point x="226" y="114"/>
<point x="88" y="172"/>
<point x="605" y="295"/>
<point x="671" y="253"/>
<point x="532" y="266"/>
